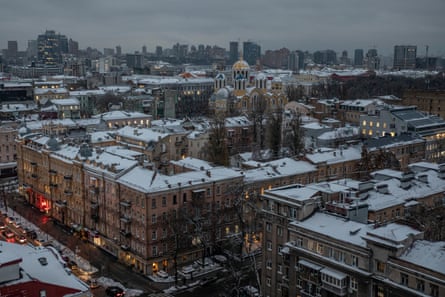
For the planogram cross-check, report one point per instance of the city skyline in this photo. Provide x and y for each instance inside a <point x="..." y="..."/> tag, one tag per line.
<point x="305" y="25"/>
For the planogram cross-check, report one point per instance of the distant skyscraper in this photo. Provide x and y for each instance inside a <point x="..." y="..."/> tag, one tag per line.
<point x="326" y="57"/>
<point x="135" y="60"/>
<point x="159" y="51"/>
<point x="118" y="50"/>
<point x="358" y="57"/>
<point x="12" y="49"/>
<point x="51" y="46"/>
<point x="251" y="52"/>
<point x="73" y="47"/>
<point x="344" y="59"/>
<point x="144" y="50"/>
<point x="233" y="52"/>
<point x="293" y="62"/>
<point x="31" y="51"/>
<point x="405" y="56"/>
<point x="372" y="59"/>
<point x="108" y="52"/>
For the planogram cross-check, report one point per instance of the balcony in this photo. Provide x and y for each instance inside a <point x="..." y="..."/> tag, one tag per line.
<point x="336" y="290"/>
<point x="33" y="163"/>
<point x="125" y="203"/>
<point x="125" y="219"/>
<point x="67" y="177"/>
<point x="52" y="172"/>
<point x="125" y="233"/>
<point x="305" y="293"/>
<point x="61" y="204"/>
<point x="68" y="192"/>
<point x="53" y="185"/>
<point x="94" y="190"/>
<point x="34" y="175"/>
<point x="94" y="205"/>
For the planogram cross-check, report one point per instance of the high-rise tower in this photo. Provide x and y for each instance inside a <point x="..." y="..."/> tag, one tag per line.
<point x="51" y="46"/>
<point x="405" y="56"/>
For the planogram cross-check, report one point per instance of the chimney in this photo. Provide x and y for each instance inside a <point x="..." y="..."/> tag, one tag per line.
<point x="209" y="174"/>
<point x="423" y="178"/>
<point x="383" y="188"/>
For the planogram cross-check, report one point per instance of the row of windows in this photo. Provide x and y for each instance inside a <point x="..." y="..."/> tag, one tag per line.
<point x="371" y="124"/>
<point x="336" y="254"/>
<point x="420" y="285"/>
<point x="370" y="132"/>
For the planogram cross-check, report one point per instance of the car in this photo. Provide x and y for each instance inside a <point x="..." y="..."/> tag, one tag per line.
<point x="31" y="234"/>
<point x="93" y="283"/>
<point x="43" y="261"/>
<point x="8" y="234"/>
<point x="9" y="220"/>
<point x="21" y="238"/>
<point x="114" y="291"/>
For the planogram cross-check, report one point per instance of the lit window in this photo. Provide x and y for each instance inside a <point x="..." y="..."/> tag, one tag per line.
<point x="364" y="123"/>
<point x="370" y="133"/>
<point x="380" y="266"/>
<point x="364" y="131"/>
<point x="377" y="124"/>
<point x="370" y="124"/>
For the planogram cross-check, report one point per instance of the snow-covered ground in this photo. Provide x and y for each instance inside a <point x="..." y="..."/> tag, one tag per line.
<point x="107" y="282"/>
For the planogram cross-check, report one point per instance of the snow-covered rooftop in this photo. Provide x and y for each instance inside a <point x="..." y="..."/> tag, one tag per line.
<point x="148" y="181"/>
<point x="427" y="254"/>
<point x="120" y="114"/>
<point x="193" y="163"/>
<point x="332" y="156"/>
<point x="336" y="228"/>
<point x="277" y="168"/>
<point x="52" y="273"/>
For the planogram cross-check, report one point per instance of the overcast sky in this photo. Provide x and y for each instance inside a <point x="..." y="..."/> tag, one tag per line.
<point x="295" y="24"/>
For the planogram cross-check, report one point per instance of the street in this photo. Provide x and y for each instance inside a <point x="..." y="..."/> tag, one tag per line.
<point x="107" y="265"/>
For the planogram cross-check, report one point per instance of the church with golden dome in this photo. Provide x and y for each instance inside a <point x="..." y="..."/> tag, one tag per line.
<point x="246" y="92"/>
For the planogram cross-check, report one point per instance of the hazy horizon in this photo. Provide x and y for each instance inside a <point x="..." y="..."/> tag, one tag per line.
<point x="305" y="25"/>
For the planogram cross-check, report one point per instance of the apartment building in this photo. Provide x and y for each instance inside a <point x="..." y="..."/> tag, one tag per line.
<point x="342" y="238"/>
<point x="146" y="219"/>
<point x="335" y="163"/>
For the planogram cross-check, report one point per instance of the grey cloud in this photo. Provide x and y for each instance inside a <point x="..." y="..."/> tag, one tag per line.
<point x="296" y="24"/>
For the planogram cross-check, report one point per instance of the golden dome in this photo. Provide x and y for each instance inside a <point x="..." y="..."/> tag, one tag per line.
<point x="240" y="65"/>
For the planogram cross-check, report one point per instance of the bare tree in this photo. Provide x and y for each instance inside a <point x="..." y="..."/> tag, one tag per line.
<point x="294" y="93"/>
<point x="217" y="146"/>
<point x="104" y="102"/>
<point x="294" y="137"/>
<point x="274" y="133"/>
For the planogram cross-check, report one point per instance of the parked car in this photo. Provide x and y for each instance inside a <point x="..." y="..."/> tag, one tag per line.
<point x="8" y="233"/>
<point x="21" y="238"/>
<point x="93" y="283"/>
<point x="114" y="291"/>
